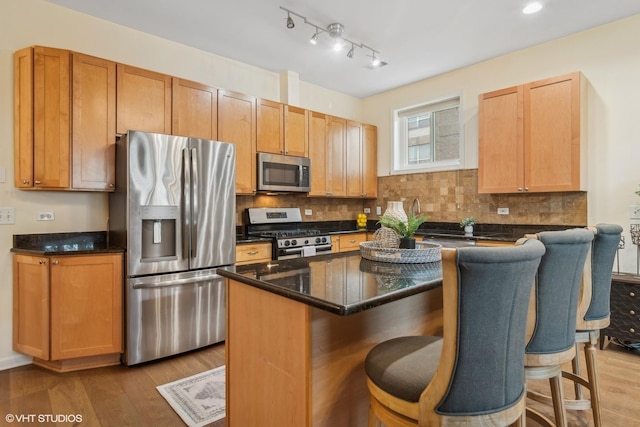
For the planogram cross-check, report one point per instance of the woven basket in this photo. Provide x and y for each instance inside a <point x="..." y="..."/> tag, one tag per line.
<point x="428" y="252"/>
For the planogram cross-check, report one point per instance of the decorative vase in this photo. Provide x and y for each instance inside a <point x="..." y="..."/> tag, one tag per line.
<point x="468" y="229"/>
<point x="395" y="210"/>
<point x="407" y="243"/>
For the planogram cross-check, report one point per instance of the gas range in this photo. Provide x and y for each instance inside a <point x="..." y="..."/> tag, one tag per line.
<point x="284" y="226"/>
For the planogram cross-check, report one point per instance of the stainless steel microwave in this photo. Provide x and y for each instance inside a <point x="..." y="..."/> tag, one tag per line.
<point x="278" y="173"/>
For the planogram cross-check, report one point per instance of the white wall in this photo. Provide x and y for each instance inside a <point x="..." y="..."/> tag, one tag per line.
<point x="608" y="56"/>
<point x="37" y="22"/>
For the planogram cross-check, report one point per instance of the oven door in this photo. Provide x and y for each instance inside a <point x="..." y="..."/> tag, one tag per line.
<point x="298" y="252"/>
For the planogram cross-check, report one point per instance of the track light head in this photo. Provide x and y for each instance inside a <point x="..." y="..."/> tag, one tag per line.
<point x="290" y="23"/>
<point x="350" y="53"/>
<point x="314" y="38"/>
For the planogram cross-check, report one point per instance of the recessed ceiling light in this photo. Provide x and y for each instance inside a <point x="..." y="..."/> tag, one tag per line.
<point x="532" y="8"/>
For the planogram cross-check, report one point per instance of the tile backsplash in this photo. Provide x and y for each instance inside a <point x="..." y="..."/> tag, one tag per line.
<point x="445" y="196"/>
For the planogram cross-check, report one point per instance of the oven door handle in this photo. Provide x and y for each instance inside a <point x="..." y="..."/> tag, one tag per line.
<point x="299" y="249"/>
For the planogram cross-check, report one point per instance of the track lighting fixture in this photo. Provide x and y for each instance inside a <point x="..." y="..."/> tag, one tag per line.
<point x="290" y="23"/>
<point x="335" y="31"/>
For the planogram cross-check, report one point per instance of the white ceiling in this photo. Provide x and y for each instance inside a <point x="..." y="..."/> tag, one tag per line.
<point x="417" y="38"/>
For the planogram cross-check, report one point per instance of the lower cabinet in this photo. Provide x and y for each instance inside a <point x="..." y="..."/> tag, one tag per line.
<point x="67" y="310"/>
<point x="250" y="253"/>
<point x="347" y="242"/>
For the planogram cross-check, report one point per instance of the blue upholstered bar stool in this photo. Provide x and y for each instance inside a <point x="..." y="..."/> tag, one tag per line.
<point x="593" y="315"/>
<point x="474" y="374"/>
<point x="552" y="314"/>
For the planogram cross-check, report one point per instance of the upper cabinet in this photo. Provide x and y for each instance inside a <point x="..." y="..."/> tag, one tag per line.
<point x="532" y="138"/>
<point x="296" y="132"/>
<point x="64" y="109"/>
<point x="237" y="125"/>
<point x="361" y="161"/>
<point x="369" y="156"/>
<point x="318" y="153"/>
<point x="195" y="109"/>
<point x="269" y="126"/>
<point x="144" y="100"/>
<point x="336" y="157"/>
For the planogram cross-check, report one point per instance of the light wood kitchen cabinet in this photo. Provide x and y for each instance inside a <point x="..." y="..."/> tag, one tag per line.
<point x="144" y="100"/>
<point x="296" y="132"/>
<point x="64" y="105"/>
<point x="194" y="109"/>
<point x="67" y="310"/>
<point x="336" y="175"/>
<point x="250" y="253"/>
<point x="347" y="242"/>
<point x="531" y="137"/>
<point x="361" y="161"/>
<point x="318" y="153"/>
<point x="269" y="126"/>
<point x="237" y="125"/>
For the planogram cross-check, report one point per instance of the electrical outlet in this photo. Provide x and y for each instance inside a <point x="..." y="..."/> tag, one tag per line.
<point x="46" y="216"/>
<point x="503" y="211"/>
<point x="308" y="212"/>
<point x="367" y="210"/>
<point x="7" y="216"/>
<point x="378" y="210"/>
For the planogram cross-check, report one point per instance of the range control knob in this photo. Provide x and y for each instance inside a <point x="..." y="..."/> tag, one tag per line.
<point x="294" y="242"/>
<point x="306" y="241"/>
<point x="286" y="243"/>
<point x="318" y="240"/>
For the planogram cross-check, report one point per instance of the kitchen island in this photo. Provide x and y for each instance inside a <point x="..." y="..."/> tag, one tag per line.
<point x="298" y="332"/>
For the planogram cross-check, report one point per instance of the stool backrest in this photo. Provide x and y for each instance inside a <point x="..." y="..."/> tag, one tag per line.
<point x="556" y="290"/>
<point x="485" y="298"/>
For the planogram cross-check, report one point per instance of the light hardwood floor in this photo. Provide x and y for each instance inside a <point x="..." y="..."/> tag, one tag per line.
<point x="127" y="396"/>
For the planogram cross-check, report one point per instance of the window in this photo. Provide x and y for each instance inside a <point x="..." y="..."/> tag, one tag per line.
<point x="427" y="137"/>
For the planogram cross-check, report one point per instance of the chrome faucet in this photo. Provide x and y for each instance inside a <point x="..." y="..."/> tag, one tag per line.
<point x="412" y="210"/>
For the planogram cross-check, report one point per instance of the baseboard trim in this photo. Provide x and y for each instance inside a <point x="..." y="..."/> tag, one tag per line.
<point x="14" y="361"/>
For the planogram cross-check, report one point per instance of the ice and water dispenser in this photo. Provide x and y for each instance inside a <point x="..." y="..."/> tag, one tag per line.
<point x="159" y="233"/>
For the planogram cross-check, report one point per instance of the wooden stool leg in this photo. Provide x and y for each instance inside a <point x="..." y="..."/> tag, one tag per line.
<point x="591" y="356"/>
<point x="575" y="364"/>
<point x="557" y="396"/>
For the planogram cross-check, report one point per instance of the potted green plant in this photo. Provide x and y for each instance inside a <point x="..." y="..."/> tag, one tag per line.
<point x="404" y="230"/>
<point x="467" y="224"/>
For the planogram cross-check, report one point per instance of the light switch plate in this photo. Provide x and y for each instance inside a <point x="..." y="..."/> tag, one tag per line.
<point x="308" y="212"/>
<point x="7" y="216"/>
<point x="503" y="211"/>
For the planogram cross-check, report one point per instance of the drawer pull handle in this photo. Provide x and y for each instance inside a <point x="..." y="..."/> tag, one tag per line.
<point x="252" y="252"/>
<point x="632" y="312"/>
<point x="632" y="294"/>
<point x="352" y="241"/>
<point x="633" y="331"/>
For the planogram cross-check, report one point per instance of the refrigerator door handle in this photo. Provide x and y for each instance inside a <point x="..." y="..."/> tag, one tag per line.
<point x="194" y="208"/>
<point x="186" y="196"/>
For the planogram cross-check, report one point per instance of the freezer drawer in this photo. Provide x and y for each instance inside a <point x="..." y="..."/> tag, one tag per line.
<point x="173" y="313"/>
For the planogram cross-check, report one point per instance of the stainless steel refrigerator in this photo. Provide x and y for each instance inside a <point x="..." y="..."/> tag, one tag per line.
<point x="174" y="211"/>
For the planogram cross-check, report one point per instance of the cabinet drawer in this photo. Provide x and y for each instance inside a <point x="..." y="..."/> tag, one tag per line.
<point x="253" y="252"/>
<point x="625" y="309"/>
<point x="351" y="242"/>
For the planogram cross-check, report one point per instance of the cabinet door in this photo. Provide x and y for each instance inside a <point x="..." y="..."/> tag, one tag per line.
<point x="500" y="141"/>
<point x="269" y="127"/>
<point x="31" y="305"/>
<point x="23" y="117"/>
<point x="370" y="161"/>
<point x="237" y="125"/>
<point x="318" y="153"/>
<point x="296" y="133"/>
<point x="144" y="100"/>
<point x="195" y="109"/>
<point x="336" y="168"/>
<point x="552" y="134"/>
<point x="51" y="125"/>
<point x="94" y="123"/>
<point x="86" y="305"/>
<point x="353" y="159"/>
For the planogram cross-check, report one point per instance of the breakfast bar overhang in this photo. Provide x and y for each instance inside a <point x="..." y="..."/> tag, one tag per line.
<point x="298" y="332"/>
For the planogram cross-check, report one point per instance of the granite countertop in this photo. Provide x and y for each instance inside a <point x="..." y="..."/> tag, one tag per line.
<point x="93" y="242"/>
<point x="340" y="283"/>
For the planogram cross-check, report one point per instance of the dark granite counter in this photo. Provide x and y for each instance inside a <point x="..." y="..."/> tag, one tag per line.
<point x="340" y="283"/>
<point x="93" y="242"/>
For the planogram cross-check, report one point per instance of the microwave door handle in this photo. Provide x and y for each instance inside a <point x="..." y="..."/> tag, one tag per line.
<point x="186" y="196"/>
<point x="299" y="180"/>
<point x="195" y="205"/>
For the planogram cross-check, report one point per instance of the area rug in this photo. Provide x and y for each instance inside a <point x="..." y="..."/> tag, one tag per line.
<point x="199" y="399"/>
